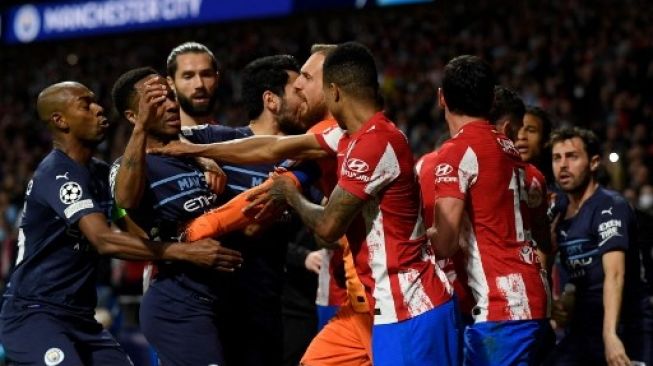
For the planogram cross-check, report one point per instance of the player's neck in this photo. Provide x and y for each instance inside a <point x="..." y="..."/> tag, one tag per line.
<point x="190" y="121"/>
<point x="578" y="198"/>
<point x="158" y="141"/>
<point x="457" y="121"/>
<point x="265" y="124"/>
<point x="75" y="150"/>
<point x="356" y="116"/>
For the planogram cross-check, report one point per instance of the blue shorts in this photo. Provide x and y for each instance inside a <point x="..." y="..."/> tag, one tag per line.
<point x="324" y="314"/>
<point x="38" y="334"/>
<point x="183" y="330"/>
<point x="517" y="342"/>
<point x="431" y="338"/>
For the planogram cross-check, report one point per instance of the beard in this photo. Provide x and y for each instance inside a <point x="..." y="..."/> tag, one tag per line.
<point x="314" y="114"/>
<point x="186" y="104"/>
<point x="289" y="122"/>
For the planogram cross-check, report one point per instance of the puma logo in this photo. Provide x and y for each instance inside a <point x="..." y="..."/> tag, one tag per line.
<point x="64" y="176"/>
<point x="608" y="211"/>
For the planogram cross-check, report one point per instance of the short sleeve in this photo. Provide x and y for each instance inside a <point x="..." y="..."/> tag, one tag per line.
<point x="369" y="167"/>
<point x="68" y="192"/>
<point x="456" y="171"/>
<point x="612" y="221"/>
<point x="330" y="138"/>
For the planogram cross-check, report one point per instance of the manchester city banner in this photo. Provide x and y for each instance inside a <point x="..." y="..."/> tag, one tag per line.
<point x="36" y="22"/>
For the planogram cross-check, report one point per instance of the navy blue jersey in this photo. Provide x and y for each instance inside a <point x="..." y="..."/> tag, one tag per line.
<point x="604" y="223"/>
<point x="175" y="193"/>
<point x="264" y="257"/>
<point x="56" y="264"/>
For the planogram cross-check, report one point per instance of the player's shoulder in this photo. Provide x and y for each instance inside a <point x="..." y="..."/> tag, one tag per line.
<point x="533" y="173"/>
<point x="58" y="166"/>
<point x="425" y="161"/>
<point x="324" y="126"/>
<point x="607" y="197"/>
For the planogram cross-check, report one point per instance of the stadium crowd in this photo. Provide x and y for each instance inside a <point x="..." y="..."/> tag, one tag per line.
<point x="593" y="69"/>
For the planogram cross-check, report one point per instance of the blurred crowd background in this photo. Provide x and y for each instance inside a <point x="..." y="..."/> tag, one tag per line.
<point x="587" y="63"/>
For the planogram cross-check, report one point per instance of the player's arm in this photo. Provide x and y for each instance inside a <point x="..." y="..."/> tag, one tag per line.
<point x="205" y="253"/>
<point x="130" y="180"/>
<point x="447" y="220"/>
<point x="613" y="283"/>
<point x="251" y="150"/>
<point x="329" y="223"/>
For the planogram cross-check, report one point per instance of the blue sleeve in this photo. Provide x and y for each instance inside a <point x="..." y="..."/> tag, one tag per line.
<point x="613" y="222"/>
<point x="207" y="134"/>
<point x="307" y="172"/>
<point x="68" y="192"/>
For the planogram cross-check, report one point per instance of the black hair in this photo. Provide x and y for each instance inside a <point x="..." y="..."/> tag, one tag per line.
<point x="506" y="103"/>
<point x="263" y="74"/>
<point x="122" y="92"/>
<point x="591" y="142"/>
<point x="184" y="48"/>
<point x="351" y="66"/>
<point x="468" y="86"/>
<point x="545" y="121"/>
<point x="546" y="125"/>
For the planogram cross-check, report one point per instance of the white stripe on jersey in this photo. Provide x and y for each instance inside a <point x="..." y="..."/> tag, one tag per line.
<point x="386" y="171"/>
<point x="415" y="298"/>
<point x="419" y="230"/>
<point x="324" y="279"/>
<point x="513" y="289"/>
<point x="332" y="136"/>
<point x="467" y="170"/>
<point x="378" y="262"/>
<point x="476" y="275"/>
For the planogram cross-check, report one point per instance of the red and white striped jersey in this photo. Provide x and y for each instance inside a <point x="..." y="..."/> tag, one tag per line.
<point x="453" y="267"/>
<point x="483" y="168"/>
<point x="393" y="259"/>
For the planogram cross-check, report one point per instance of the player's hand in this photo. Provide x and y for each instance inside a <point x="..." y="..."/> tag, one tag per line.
<point x="267" y="200"/>
<point x="209" y="253"/>
<point x="215" y="177"/>
<point x="313" y="261"/>
<point x="615" y="354"/>
<point x="153" y="93"/>
<point x="172" y="148"/>
<point x="559" y="314"/>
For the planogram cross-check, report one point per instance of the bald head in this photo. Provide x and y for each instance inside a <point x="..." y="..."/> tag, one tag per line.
<point x="55" y="98"/>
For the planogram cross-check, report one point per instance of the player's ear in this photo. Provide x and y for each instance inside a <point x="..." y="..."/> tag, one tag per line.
<point x="59" y="120"/>
<point x="271" y="101"/>
<point x="335" y="92"/>
<point x="441" y="101"/>
<point x="130" y="115"/>
<point x="594" y="163"/>
<point x="171" y="84"/>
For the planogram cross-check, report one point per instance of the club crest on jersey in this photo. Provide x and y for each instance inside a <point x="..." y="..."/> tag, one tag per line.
<point x="53" y="357"/>
<point x="534" y="196"/>
<point x="70" y="192"/>
<point x="357" y="165"/>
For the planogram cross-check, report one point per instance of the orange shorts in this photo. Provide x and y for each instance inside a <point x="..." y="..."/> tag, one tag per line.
<point x="345" y="341"/>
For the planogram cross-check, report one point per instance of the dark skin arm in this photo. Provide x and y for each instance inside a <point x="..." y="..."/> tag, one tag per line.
<point x="329" y="223"/>
<point x="251" y="150"/>
<point x="130" y="180"/>
<point x="206" y="253"/>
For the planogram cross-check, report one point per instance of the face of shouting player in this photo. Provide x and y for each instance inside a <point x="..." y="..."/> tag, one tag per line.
<point x="309" y="88"/>
<point x="83" y="116"/>
<point x="291" y="109"/>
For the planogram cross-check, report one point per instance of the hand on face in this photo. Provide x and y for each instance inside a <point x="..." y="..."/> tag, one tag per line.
<point x="157" y="109"/>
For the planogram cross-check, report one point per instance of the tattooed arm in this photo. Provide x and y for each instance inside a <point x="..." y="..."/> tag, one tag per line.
<point x="329" y="223"/>
<point x="130" y="180"/>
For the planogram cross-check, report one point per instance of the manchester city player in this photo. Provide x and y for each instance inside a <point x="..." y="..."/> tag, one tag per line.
<point x="596" y="239"/>
<point x="253" y="331"/>
<point x="47" y="317"/>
